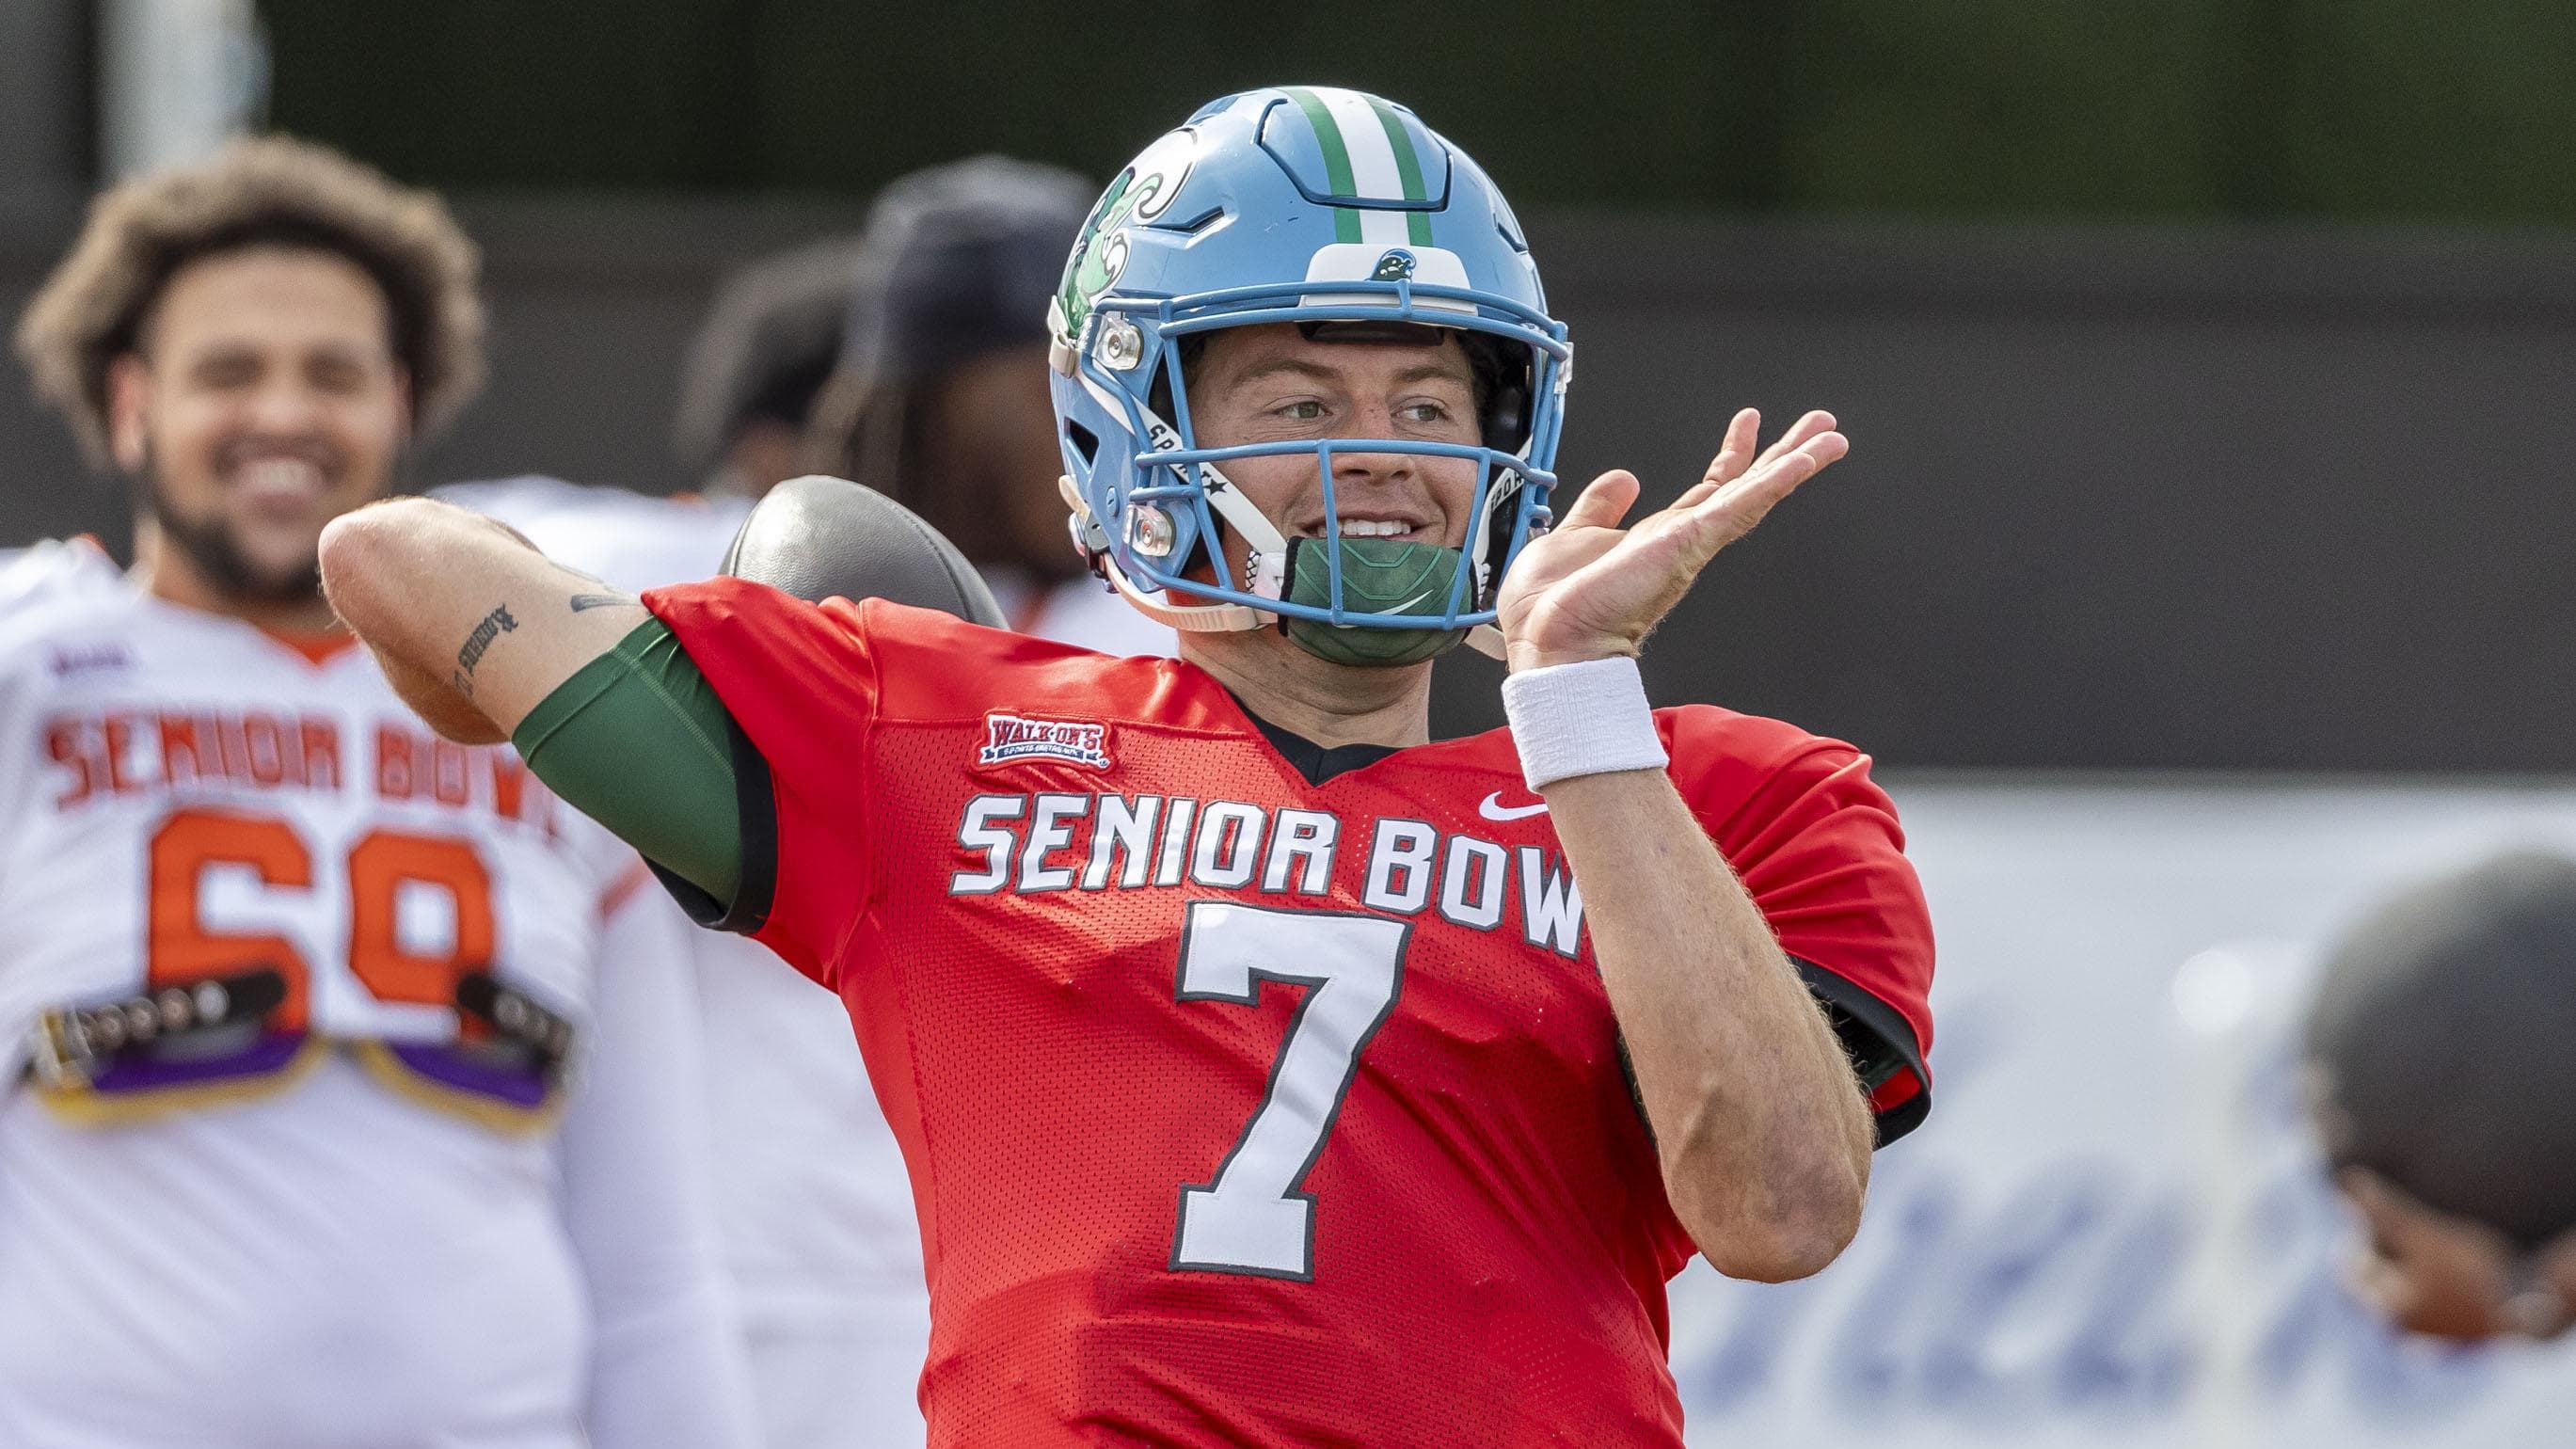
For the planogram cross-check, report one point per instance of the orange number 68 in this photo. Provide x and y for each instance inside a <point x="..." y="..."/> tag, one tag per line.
<point x="181" y="951"/>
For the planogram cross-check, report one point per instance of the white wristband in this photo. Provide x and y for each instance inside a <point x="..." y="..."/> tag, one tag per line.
<point x="1589" y="718"/>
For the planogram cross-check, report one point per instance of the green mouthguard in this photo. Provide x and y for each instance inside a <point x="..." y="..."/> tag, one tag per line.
<point x="1383" y="576"/>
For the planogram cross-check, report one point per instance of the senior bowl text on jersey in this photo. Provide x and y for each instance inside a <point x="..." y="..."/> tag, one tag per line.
<point x="1033" y="843"/>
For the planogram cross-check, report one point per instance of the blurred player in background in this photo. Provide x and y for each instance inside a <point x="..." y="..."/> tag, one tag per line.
<point x="758" y="362"/>
<point x="816" y="1213"/>
<point x="352" y="1094"/>
<point x="2433" y="1062"/>
<point x="747" y="391"/>
<point x="940" y="400"/>
<point x="1267" y="1072"/>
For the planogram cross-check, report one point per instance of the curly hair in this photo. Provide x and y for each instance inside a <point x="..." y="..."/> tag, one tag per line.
<point x="271" y="191"/>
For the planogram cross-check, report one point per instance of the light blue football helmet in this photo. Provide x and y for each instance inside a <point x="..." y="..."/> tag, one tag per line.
<point x="1307" y="205"/>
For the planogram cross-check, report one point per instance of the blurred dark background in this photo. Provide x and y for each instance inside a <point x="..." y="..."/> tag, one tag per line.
<point x="2202" y="360"/>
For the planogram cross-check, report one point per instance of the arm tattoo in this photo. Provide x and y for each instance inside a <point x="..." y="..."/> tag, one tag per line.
<point x="581" y="602"/>
<point x="494" y="625"/>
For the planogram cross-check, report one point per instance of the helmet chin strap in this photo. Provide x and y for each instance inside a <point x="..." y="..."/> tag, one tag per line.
<point x="1189" y="618"/>
<point x="1485" y="639"/>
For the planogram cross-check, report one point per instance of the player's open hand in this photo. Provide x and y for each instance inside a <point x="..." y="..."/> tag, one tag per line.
<point x="1590" y="589"/>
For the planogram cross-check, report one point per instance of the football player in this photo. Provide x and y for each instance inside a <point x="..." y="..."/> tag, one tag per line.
<point x="1269" y="1072"/>
<point x="2460" y="1167"/>
<point x="325" y="1122"/>
<point x="758" y="362"/>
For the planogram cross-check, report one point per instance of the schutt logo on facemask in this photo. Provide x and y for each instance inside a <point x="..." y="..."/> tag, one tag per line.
<point x="1011" y="740"/>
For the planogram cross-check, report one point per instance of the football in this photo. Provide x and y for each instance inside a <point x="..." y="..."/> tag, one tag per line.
<point x="819" y="538"/>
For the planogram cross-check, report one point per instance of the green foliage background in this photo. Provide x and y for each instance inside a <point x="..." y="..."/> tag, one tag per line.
<point x="2364" y="110"/>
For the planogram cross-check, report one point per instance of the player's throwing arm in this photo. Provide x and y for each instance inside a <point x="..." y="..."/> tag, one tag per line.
<point x="471" y="624"/>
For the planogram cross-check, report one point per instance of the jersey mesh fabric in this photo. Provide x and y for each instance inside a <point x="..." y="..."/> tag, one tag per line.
<point x="1489" y="1237"/>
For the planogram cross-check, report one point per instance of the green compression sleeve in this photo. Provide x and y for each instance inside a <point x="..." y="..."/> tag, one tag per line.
<point x="638" y="741"/>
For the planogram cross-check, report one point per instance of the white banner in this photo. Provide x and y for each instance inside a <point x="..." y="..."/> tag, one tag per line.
<point x="2113" y="1229"/>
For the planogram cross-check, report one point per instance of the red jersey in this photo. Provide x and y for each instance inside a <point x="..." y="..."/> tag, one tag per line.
<point x="1240" y="1108"/>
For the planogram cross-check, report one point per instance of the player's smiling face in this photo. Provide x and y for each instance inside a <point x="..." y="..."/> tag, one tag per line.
<point x="1272" y="384"/>
<point x="263" y="401"/>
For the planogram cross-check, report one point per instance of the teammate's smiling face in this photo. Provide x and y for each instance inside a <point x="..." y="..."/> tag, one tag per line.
<point x="1273" y="384"/>
<point x="263" y="400"/>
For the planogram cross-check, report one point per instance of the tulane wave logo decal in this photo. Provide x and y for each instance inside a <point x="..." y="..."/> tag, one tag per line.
<point x="1395" y="266"/>
<point x="1140" y="195"/>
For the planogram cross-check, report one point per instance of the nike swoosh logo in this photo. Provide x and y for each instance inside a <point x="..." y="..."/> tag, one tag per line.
<point x="1399" y="608"/>
<point x="1493" y="808"/>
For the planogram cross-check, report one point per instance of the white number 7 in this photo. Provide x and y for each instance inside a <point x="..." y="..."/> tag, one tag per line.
<point x="1252" y="1219"/>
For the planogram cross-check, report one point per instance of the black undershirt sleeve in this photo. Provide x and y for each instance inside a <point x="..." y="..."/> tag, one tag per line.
<point x="1878" y="1041"/>
<point x="1875" y="1039"/>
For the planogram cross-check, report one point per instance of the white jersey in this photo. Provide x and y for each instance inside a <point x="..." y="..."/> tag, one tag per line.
<point x="349" y="1094"/>
<point x="53" y="569"/>
<point x="811" y="1190"/>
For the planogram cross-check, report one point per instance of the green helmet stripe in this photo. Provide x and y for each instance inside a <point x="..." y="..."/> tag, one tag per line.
<point x="1409" y="166"/>
<point x="1337" y="159"/>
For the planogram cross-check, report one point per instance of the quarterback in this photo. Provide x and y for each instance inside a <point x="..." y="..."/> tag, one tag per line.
<point x="1268" y="1072"/>
<point x="325" y="1122"/>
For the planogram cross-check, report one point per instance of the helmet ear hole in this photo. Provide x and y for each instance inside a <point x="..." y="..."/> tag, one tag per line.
<point x="1084" y="440"/>
<point x="1503" y="390"/>
<point x="1185" y="358"/>
<point x="1506" y="422"/>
